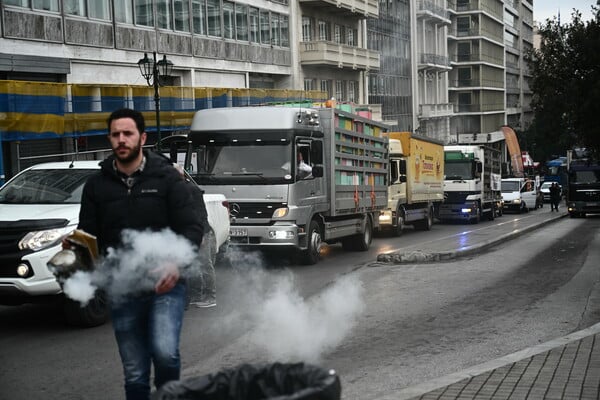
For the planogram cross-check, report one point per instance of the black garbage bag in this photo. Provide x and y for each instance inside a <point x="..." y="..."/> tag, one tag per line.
<point x="277" y="381"/>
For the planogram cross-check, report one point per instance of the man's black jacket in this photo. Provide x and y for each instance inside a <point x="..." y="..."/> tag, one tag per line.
<point x="159" y="198"/>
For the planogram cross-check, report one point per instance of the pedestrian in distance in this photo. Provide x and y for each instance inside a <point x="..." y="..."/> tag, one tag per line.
<point x="140" y="190"/>
<point x="554" y="196"/>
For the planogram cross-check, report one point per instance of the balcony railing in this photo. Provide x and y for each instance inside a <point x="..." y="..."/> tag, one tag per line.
<point x="475" y="82"/>
<point x="434" y="59"/>
<point x="428" y="7"/>
<point x="339" y="55"/>
<point x="369" y="8"/>
<point x="436" y="110"/>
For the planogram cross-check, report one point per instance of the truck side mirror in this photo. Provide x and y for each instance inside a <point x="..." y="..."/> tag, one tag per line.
<point x="402" y="179"/>
<point x="317" y="171"/>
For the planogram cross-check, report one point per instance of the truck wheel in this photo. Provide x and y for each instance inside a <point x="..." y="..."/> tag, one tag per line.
<point x="426" y="223"/>
<point x="311" y="256"/>
<point x="92" y="314"/>
<point x="477" y="218"/>
<point x="397" y="230"/>
<point x="492" y="213"/>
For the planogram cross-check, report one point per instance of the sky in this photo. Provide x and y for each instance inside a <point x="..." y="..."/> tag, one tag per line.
<point x="543" y="9"/>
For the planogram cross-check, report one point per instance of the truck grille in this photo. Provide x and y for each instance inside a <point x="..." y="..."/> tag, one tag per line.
<point x="241" y="211"/>
<point x="456" y="197"/>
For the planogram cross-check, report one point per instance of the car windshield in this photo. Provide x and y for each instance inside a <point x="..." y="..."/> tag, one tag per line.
<point x="46" y="186"/>
<point x="511" y="186"/>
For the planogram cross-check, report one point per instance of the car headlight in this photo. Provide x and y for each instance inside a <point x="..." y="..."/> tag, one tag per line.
<point x="517" y="201"/>
<point x="39" y="240"/>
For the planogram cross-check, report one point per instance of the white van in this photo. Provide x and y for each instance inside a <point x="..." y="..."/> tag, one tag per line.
<point x="519" y="194"/>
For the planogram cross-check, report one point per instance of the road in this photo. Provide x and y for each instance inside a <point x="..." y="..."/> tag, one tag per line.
<point x="381" y="326"/>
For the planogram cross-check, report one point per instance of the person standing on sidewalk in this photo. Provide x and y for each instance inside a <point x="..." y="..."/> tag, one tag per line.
<point x="140" y="190"/>
<point x="554" y="196"/>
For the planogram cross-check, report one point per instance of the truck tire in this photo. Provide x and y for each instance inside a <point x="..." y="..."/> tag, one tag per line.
<point x="397" y="230"/>
<point x="477" y="218"/>
<point x="94" y="313"/>
<point x="311" y="256"/>
<point x="492" y="213"/>
<point x="426" y="223"/>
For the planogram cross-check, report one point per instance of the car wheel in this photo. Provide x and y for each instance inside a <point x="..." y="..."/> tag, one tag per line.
<point x="94" y="313"/>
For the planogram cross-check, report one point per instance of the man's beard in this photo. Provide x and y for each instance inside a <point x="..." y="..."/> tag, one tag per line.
<point x="133" y="154"/>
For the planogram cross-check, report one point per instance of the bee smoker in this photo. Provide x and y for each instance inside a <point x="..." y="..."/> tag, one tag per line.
<point x="78" y="256"/>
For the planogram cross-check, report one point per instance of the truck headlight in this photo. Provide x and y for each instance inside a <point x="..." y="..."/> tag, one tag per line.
<point x="39" y="240"/>
<point x="280" y="212"/>
<point x="281" y="235"/>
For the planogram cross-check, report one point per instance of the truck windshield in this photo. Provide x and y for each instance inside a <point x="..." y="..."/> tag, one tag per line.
<point x="243" y="162"/>
<point x="585" y="176"/>
<point x="46" y="186"/>
<point x="511" y="186"/>
<point x="457" y="170"/>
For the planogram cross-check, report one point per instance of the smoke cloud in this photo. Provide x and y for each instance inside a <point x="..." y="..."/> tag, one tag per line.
<point x="134" y="267"/>
<point x="279" y="322"/>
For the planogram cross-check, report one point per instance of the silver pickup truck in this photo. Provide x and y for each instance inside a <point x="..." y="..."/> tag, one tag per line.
<point x="38" y="208"/>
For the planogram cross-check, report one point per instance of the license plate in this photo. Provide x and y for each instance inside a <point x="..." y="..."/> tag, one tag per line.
<point x="237" y="232"/>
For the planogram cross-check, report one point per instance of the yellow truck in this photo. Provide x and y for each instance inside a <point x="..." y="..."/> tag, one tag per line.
<point x="416" y="182"/>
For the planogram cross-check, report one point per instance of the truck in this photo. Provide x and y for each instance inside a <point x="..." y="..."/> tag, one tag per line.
<point x="251" y="153"/>
<point x="583" y="194"/>
<point x="472" y="175"/>
<point x="416" y="182"/>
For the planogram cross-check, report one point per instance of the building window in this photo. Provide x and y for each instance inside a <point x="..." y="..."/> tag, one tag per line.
<point x="350" y="36"/>
<point x="326" y="87"/>
<point x="275" y="30"/>
<point x="339" y="90"/>
<point x="181" y="10"/>
<point x="254" y="30"/>
<point x="228" y="21"/>
<point x="213" y="8"/>
<point x="463" y="50"/>
<point x="99" y="9"/>
<point x="306" y="29"/>
<point x="323" y="30"/>
<point x="124" y="11"/>
<point x="463" y="26"/>
<point x="265" y="27"/>
<point x="309" y="84"/>
<point x="464" y="102"/>
<point x="199" y="13"/>
<point x="464" y="76"/>
<point x="285" y="31"/>
<point x="337" y="34"/>
<point x="144" y="14"/>
<point x="241" y="22"/>
<point x="164" y="17"/>
<point x="46" y="5"/>
<point x="352" y="91"/>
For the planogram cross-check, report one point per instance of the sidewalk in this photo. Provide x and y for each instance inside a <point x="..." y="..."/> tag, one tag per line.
<point x="564" y="368"/>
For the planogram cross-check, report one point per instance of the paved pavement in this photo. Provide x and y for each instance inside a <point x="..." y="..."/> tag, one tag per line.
<point x="564" y="368"/>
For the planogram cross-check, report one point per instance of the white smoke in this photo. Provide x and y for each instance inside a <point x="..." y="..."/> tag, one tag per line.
<point x="134" y="267"/>
<point x="279" y="322"/>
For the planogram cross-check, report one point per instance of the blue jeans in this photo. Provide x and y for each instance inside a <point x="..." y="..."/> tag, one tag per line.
<point x="147" y="329"/>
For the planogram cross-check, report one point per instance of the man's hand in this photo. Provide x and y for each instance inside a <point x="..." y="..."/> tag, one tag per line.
<point x="169" y="275"/>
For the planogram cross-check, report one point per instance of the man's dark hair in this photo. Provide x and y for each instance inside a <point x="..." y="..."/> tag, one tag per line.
<point x="128" y="113"/>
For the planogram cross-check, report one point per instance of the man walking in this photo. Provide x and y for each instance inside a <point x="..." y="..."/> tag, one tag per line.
<point x="554" y="196"/>
<point x="140" y="190"/>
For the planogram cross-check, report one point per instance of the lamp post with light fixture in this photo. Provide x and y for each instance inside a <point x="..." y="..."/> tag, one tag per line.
<point x="152" y="72"/>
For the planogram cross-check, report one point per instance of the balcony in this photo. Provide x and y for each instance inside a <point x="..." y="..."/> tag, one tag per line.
<point x="369" y="8"/>
<point x="427" y="111"/>
<point x="429" y="10"/>
<point x="338" y="55"/>
<point x="433" y="61"/>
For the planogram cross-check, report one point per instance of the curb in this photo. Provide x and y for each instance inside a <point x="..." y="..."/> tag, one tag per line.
<point x="437" y="383"/>
<point x="419" y="256"/>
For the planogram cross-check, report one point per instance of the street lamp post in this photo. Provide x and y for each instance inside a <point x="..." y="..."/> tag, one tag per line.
<point x="152" y="72"/>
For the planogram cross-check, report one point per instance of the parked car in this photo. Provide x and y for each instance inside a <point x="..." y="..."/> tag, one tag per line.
<point x="38" y="208"/>
<point x="545" y="189"/>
